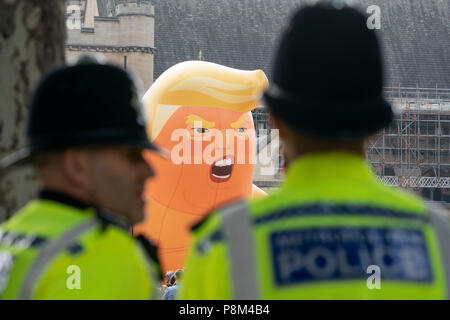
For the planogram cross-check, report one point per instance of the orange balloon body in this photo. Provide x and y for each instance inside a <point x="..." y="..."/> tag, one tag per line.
<point x="182" y="194"/>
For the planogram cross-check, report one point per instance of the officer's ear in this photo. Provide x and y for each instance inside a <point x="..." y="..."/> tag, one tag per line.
<point x="276" y="123"/>
<point x="75" y="167"/>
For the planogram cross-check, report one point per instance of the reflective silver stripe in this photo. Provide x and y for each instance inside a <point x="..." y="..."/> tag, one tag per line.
<point x="48" y="252"/>
<point x="237" y="231"/>
<point x="440" y="220"/>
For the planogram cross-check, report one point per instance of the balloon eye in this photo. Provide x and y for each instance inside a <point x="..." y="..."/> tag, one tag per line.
<point x="201" y="130"/>
<point x="241" y="130"/>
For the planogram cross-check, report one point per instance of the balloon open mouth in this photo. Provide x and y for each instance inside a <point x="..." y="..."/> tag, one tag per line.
<point x="221" y="169"/>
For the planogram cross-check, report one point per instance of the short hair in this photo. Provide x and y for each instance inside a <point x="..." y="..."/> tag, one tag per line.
<point x="43" y="159"/>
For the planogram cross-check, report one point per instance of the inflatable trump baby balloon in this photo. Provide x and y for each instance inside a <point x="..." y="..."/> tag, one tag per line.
<point x="201" y="113"/>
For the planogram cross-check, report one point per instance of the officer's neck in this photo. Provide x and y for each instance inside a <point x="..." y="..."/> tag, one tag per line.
<point x="104" y="215"/>
<point x="63" y="197"/>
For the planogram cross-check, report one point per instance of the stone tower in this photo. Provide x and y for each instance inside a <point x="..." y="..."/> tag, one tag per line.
<point x="122" y="32"/>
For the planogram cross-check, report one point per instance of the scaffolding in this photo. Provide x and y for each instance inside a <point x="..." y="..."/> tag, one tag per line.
<point x="414" y="151"/>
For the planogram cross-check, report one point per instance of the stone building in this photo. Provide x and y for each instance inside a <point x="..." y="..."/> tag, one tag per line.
<point x="121" y="31"/>
<point x="243" y="34"/>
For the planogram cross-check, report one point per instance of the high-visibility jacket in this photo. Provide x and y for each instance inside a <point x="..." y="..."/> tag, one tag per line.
<point x="332" y="231"/>
<point x="59" y="248"/>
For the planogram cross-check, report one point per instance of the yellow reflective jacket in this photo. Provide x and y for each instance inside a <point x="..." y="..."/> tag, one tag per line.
<point x="332" y="231"/>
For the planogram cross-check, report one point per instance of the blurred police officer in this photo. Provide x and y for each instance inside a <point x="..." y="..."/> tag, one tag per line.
<point x="332" y="231"/>
<point x="85" y="138"/>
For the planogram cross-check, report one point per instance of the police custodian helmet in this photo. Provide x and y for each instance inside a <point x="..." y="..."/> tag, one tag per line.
<point x="86" y="104"/>
<point x="328" y="75"/>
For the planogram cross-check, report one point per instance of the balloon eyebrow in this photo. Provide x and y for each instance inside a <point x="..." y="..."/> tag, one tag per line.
<point x="195" y="118"/>
<point x="237" y="124"/>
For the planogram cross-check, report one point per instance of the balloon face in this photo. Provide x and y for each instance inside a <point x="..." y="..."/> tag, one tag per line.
<point x="211" y="162"/>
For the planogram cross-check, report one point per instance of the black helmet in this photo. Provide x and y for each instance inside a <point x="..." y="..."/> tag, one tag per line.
<point x="328" y="74"/>
<point x="87" y="104"/>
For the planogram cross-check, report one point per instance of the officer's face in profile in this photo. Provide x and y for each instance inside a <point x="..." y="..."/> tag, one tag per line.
<point x="117" y="177"/>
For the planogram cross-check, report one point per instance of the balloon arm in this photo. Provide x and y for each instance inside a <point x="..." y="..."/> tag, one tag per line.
<point x="257" y="192"/>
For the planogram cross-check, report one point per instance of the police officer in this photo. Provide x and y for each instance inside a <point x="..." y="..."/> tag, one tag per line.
<point x="332" y="231"/>
<point x="85" y="138"/>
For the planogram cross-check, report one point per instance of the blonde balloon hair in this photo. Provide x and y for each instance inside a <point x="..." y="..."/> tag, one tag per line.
<point x="201" y="84"/>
